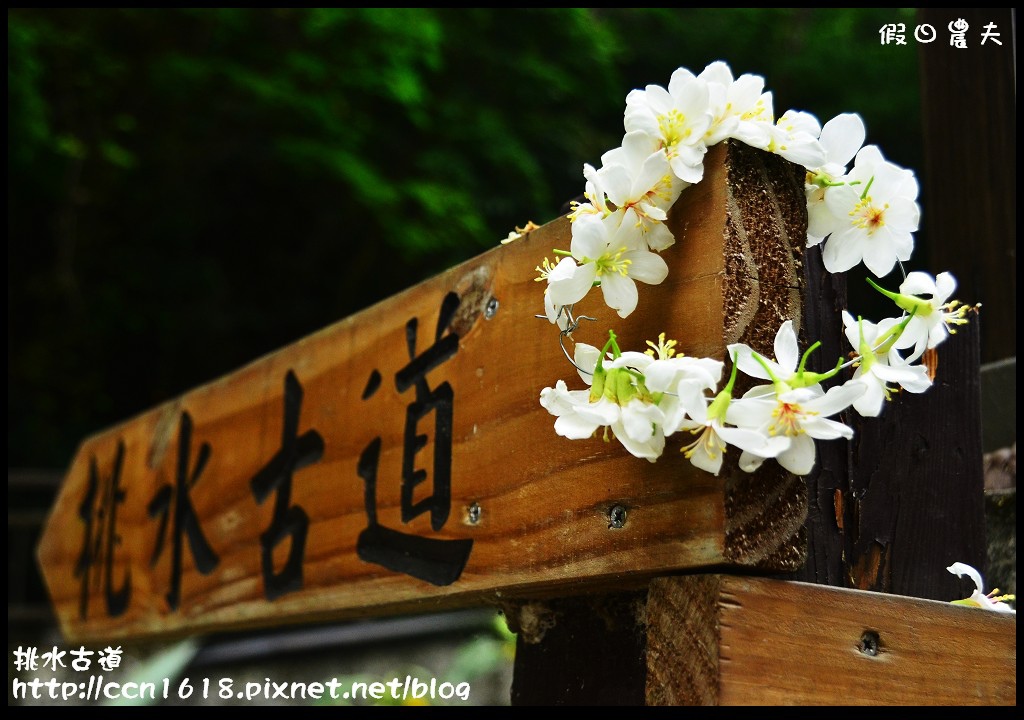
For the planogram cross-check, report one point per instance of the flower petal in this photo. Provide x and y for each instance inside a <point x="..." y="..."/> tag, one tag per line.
<point x="945" y="284"/>
<point x="585" y="357"/>
<point x="835" y="400"/>
<point x="799" y="457"/>
<point x="912" y="378"/>
<point x="569" y="283"/>
<point x="589" y="238"/>
<point x="753" y="412"/>
<point x="842" y="251"/>
<point x="749" y="462"/>
<point x="701" y="459"/>
<point x="879" y="253"/>
<point x="821" y="428"/>
<point x="871" y="402"/>
<point x="743" y="356"/>
<point x="574" y="427"/>
<point x="647" y="267"/>
<point x="960" y="569"/>
<point x="842" y="137"/>
<point x="639" y="419"/>
<point x="787" y="352"/>
<point x="918" y="283"/>
<point x="620" y="293"/>
<point x="754" y="442"/>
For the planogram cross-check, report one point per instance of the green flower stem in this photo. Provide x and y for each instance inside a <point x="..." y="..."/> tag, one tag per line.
<point x="807" y="354"/>
<point x="720" y="405"/>
<point x="888" y="293"/>
<point x="775" y="381"/>
<point x="867" y="188"/>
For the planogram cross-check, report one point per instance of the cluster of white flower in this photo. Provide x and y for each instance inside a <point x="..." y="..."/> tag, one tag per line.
<point x="868" y="215"/>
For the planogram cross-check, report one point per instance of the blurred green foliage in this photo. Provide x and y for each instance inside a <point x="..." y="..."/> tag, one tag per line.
<point x="189" y="189"/>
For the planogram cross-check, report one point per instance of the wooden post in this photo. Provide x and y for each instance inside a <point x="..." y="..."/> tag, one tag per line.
<point x="969" y="113"/>
<point x="580" y="651"/>
<point x="878" y="508"/>
<point x="754" y="216"/>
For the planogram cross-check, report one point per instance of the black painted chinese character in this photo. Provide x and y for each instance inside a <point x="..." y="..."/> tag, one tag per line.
<point x="99" y="513"/>
<point x="186" y="522"/>
<point x="439" y="562"/>
<point x="289" y="520"/>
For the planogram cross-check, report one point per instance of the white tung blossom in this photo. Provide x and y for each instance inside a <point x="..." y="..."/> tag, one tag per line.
<point x="793" y="406"/>
<point x="616" y="400"/>
<point x="840" y="139"/>
<point x="639" y="187"/>
<point x="874" y="216"/>
<point x="683" y="381"/>
<point x="933" y="317"/>
<point x="880" y="363"/>
<point x="713" y="436"/>
<point x="795" y="137"/>
<point x="799" y="414"/>
<point x="739" y="108"/>
<point x="601" y="255"/>
<point x="867" y="214"/>
<point x="677" y="117"/>
<point x="787" y="357"/>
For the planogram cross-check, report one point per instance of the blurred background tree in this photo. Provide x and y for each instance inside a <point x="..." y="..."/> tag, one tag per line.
<point x="191" y="189"/>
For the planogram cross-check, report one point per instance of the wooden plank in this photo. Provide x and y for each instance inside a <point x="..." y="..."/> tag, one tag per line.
<point x="274" y="495"/>
<point x="726" y="640"/>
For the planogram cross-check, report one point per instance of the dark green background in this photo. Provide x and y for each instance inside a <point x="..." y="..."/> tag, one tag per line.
<point x="191" y="189"/>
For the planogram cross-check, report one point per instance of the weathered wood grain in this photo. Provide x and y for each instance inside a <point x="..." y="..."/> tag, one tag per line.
<point x="917" y="490"/>
<point x="219" y="484"/>
<point x="972" y="93"/>
<point x="728" y="640"/>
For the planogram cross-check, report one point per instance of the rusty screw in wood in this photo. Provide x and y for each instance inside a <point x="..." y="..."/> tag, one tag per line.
<point x="473" y="513"/>
<point x="616" y="517"/>
<point x="869" y="643"/>
<point x="492" y="308"/>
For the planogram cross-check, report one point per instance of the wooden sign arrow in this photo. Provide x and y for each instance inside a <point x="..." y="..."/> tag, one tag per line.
<point x="400" y="460"/>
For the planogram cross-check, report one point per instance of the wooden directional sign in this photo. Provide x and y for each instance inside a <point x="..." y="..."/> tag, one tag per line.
<point x="400" y="460"/>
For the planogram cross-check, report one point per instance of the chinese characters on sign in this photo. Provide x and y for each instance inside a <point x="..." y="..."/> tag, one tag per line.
<point x="179" y="527"/>
<point x="98" y="513"/>
<point x="185" y="519"/>
<point x="289" y="520"/>
<point x="439" y="562"/>
<point x="896" y="33"/>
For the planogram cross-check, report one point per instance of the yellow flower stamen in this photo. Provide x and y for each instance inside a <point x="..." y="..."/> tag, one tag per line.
<point x="787" y="420"/>
<point x="955" y="313"/>
<point x="612" y="262"/>
<point x="709" y="440"/>
<point x="665" y="348"/>
<point x="673" y="131"/>
<point x="867" y="216"/>
<point x="544" y="269"/>
<point x="757" y="113"/>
